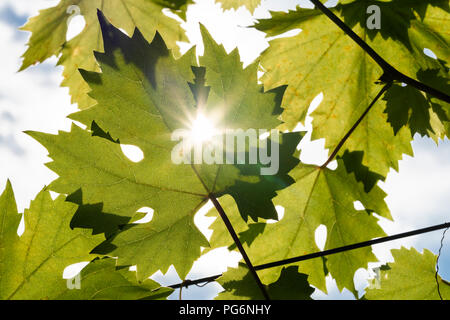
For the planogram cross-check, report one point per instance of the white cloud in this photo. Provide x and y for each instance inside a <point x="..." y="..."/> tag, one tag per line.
<point x="29" y="8"/>
<point x="30" y="100"/>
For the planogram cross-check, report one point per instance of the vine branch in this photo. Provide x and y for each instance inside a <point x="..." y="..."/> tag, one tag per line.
<point x="239" y="246"/>
<point x="187" y="283"/>
<point x="347" y="135"/>
<point x="388" y="69"/>
<point x="233" y="234"/>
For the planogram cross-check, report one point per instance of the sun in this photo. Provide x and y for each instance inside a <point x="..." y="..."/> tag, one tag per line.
<point x="202" y="129"/>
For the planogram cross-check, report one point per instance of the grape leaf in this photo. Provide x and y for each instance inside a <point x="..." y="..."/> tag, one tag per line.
<point x="32" y="265"/>
<point x="319" y="196"/>
<point x="49" y="30"/>
<point x="240" y="284"/>
<point x="410" y="277"/>
<point x="353" y="163"/>
<point x="106" y="176"/>
<point x="9" y="220"/>
<point x="323" y="58"/>
<point x="100" y="280"/>
<point x="143" y="95"/>
<point x="251" y="5"/>
<point x="408" y="106"/>
<point x="423" y="114"/>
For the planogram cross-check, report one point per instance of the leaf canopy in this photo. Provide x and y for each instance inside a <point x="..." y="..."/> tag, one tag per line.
<point x="32" y="265"/>
<point x="49" y="30"/>
<point x="143" y="95"/>
<point x="323" y="58"/>
<point x="410" y="277"/>
<point x="135" y="92"/>
<point x="240" y="285"/>
<point x="319" y="197"/>
<point x="101" y="280"/>
<point x="423" y="114"/>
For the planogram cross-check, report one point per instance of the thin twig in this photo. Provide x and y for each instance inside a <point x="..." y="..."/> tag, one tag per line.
<point x="359" y="245"/>
<point x="239" y="246"/>
<point x="437" y="264"/>
<point x="387" y="68"/>
<point x="233" y="234"/>
<point x="347" y="135"/>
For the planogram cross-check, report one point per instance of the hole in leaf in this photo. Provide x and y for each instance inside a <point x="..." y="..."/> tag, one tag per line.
<point x="358" y="205"/>
<point x="74" y="269"/>
<point x="133" y="153"/>
<point x="429" y="53"/>
<point x="148" y="215"/>
<point x="75" y="26"/>
<point x="320" y="236"/>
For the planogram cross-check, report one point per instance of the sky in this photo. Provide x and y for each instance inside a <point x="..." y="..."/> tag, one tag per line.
<point x="418" y="195"/>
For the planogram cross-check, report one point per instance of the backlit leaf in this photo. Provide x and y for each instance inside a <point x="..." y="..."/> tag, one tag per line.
<point x="410" y="277"/>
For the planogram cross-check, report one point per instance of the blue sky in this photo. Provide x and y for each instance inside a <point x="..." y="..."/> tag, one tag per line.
<point x="418" y="195"/>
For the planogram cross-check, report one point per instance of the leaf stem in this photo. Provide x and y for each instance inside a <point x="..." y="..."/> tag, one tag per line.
<point x="347" y="135"/>
<point x="388" y="69"/>
<point x="239" y="245"/>
<point x="233" y="234"/>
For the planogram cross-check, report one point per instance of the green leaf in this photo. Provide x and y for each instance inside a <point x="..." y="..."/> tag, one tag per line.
<point x="106" y="176"/>
<point x="49" y="30"/>
<point x="323" y="58"/>
<point x="410" y="277"/>
<point x="423" y="114"/>
<point x="143" y="95"/>
<point x="319" y="196"/>
<point x="92" y="216"/>
<point x="251" y="5"/>
<point x="9" y="220"/>
<point x="244" y="100"/>
<point x="32" y="265"/>
<point x="353" y="163"/>
<point x="100" y="280"/>
<point x="240" y="284"/>
<point x="408" y="106"/>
